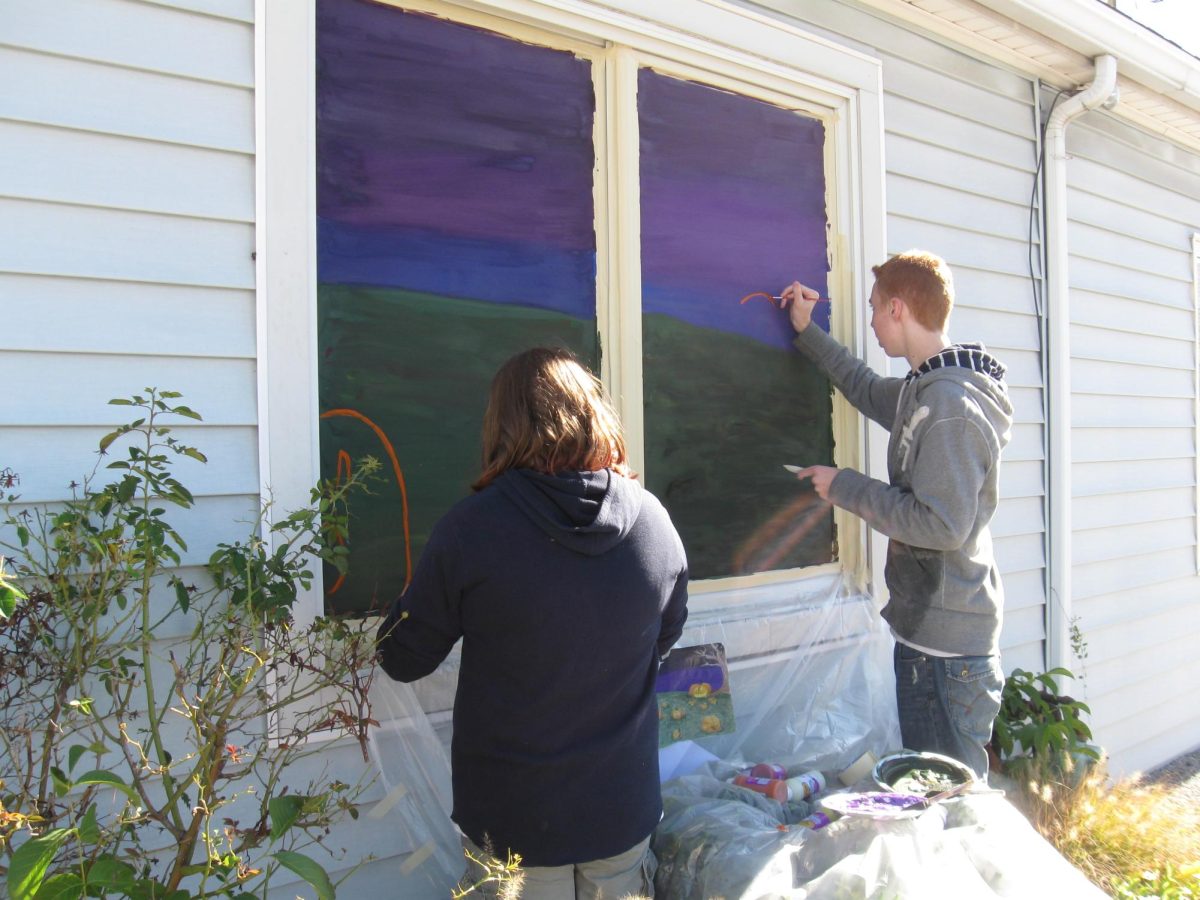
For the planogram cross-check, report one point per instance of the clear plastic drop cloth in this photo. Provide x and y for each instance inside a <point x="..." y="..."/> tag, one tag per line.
<point x="713" y="843"/>
<point x="812" y="689"/>
<point x="975" y="847"/>
<point x="414" y="771"/>
<point x="812" y="686"/>
<point x="822" y="702"/>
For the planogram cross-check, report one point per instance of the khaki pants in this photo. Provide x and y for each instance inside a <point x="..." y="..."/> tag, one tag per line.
<point x="629" y="874"/>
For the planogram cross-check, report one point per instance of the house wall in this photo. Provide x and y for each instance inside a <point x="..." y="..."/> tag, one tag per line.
<point x="127" y="227"/>
<point x="127" y="234"/>
<point x="1133" y="208"/>
<point x="126" y="239"/>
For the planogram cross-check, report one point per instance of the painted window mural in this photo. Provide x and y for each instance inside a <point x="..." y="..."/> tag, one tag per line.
<point x="733" y="201"/>
<point x="455" y="227"/>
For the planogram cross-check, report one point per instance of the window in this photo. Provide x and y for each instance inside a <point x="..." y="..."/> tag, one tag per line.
<point x="455" y="227"/>
<point x="732" y="195"/>
<point x="1196" y="382"/>
<point x="589" y="178"/>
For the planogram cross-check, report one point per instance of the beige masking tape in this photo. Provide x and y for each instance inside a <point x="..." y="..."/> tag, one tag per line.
<point x="384" y="806"/>
<point x="418" y="856"/>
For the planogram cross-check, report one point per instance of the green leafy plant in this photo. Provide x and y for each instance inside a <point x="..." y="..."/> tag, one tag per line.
<point x="1039" y="732"/>
<point x="151" y="721"/>
<point x="10" y="594"/>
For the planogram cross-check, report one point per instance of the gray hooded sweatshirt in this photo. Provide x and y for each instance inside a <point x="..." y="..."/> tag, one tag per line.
<point x="948" y="421"/>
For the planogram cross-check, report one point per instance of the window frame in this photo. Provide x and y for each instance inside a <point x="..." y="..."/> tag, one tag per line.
<point x="703" y="40"/>
<point x="1196" y="390"/>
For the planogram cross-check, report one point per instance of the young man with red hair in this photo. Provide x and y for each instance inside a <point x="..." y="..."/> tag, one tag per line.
<point x="949" y="418"/>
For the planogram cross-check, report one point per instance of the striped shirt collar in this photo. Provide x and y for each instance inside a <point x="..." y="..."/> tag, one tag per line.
<point x="964" y="356"/>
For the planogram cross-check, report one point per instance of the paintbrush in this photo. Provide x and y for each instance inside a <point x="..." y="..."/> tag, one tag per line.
<point x="774" y="298"/>
<point x="927" y="802"/>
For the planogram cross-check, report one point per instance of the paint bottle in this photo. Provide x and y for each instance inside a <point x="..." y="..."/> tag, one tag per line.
<point x="774" y="788"/>
<point x="807" y="785"/>
<point x="769" y="770"/>
<point x="799" y="788"/>
<point x="818" y="820"/>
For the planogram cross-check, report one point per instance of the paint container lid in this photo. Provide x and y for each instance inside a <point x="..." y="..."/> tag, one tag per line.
<point x="858" y="770"/>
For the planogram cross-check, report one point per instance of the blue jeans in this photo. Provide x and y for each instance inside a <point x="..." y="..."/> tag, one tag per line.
<point x="947" y="704"/>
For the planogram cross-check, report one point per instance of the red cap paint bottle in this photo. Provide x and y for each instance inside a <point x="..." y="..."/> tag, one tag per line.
<point x="768" y="770"/>
<point x="774" y="788"/>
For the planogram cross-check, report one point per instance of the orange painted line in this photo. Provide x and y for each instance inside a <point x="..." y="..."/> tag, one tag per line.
<point x="391" y="452"/>
<point x="770" y="298"/>
<point x="344" y="465"/>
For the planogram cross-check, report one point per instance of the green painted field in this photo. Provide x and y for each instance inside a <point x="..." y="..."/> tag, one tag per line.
<point x="723" y="413"/>
<point x="419" y="366"/>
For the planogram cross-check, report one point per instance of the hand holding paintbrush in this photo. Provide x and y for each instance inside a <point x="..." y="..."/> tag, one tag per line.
<point x="801" y="300"/>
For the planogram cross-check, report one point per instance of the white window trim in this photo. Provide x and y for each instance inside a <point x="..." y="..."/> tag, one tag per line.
<point x="707" y="39"/>
<point x="1196" y="387"/>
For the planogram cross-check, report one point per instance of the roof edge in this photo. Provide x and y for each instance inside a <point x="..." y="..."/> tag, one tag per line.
<point x="1094" y="28"/>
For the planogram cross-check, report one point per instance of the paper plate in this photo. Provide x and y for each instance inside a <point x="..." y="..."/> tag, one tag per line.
<point x="875" y="804"/>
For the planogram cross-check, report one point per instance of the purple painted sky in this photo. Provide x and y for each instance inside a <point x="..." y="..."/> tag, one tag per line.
<point x="454" y="161"/>
<point x="444" y="127"/>
<point x="733" y="201"/>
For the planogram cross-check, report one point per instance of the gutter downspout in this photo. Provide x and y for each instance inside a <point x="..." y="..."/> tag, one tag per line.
<point x="1102" y="91"/>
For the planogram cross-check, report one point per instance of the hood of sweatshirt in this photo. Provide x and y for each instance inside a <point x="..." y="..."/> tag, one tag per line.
<point x="587" y="512"/>
<point x="980" y="373"/>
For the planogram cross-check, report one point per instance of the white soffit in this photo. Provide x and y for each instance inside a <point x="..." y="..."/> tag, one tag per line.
<point x="1056" y="40"/>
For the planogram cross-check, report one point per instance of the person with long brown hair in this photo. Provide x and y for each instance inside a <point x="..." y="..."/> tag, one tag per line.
<point x="567" y="583"/>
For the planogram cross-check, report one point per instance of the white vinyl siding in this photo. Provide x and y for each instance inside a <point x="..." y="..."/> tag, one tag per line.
<point x="961" y="153"/>
<point x="127" y="238"/>
<point x="1133" y="206"/>
<point x="960" y="145"/>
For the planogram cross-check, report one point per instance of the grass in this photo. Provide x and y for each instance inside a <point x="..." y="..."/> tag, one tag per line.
<point x="1129" y="837"/>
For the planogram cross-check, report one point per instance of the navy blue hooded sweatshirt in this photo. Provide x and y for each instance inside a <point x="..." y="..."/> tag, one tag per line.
<point x="566" y="590"/>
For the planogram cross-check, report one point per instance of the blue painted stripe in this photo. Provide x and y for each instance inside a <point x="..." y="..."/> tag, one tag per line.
<point x="522" y="273"/>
